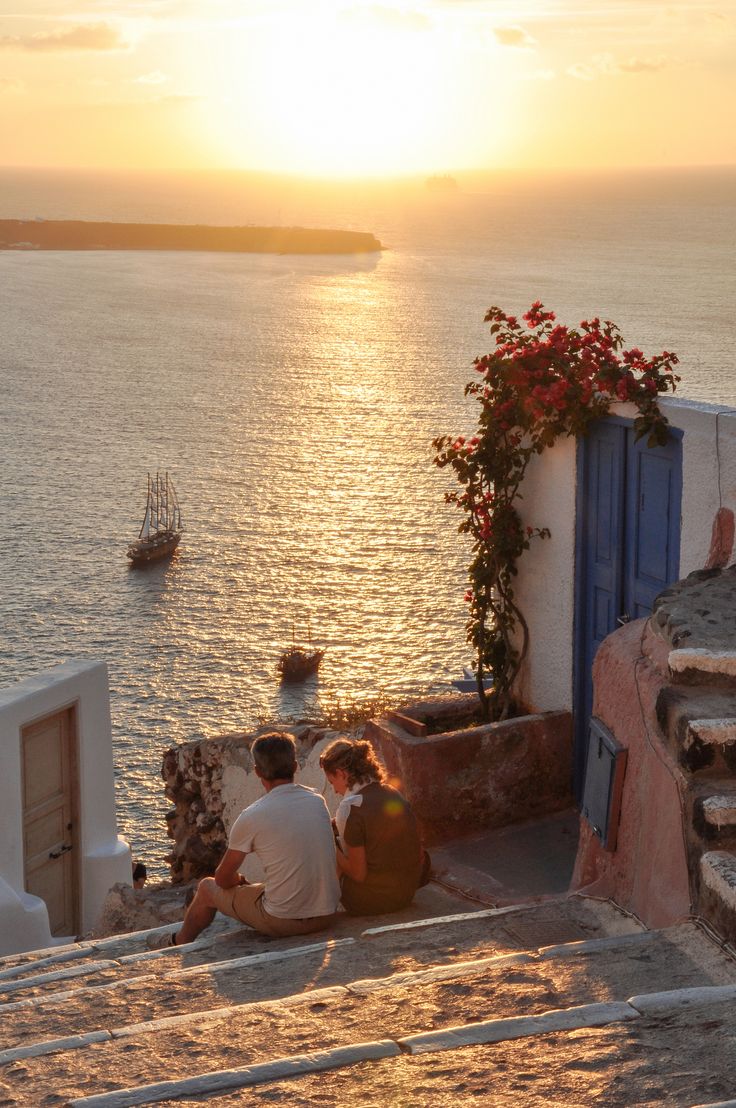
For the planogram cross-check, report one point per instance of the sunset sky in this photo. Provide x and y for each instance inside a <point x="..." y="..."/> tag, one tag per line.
<point x="345" y="88"/>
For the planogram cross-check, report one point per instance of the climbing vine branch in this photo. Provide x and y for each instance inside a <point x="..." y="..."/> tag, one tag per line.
<point x="541" y="381"/>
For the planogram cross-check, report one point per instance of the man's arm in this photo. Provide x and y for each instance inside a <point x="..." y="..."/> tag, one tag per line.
<point x="226" y="874"/>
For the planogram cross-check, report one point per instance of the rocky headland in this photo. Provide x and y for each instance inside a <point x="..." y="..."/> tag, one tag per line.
<point x="43" y="234"/>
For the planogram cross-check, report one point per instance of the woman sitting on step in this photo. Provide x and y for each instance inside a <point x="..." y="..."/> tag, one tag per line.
<point x="380" y="860"/>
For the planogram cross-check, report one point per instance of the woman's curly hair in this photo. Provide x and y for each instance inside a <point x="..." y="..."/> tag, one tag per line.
<point x="356" y="758"/>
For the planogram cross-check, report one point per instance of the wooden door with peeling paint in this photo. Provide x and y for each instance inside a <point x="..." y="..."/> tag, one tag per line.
<point x="50" y="841"/>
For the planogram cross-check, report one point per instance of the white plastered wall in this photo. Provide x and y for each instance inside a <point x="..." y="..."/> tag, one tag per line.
<point x="545" y="586"/>
<point x="104" y="858"/>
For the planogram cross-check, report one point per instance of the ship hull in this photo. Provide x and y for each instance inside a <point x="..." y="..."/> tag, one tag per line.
<point x="297" y="665"/>
<point x="155" y="549"/>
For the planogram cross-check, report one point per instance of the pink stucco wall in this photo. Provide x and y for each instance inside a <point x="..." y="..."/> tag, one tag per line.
<point x="647" y="874"/>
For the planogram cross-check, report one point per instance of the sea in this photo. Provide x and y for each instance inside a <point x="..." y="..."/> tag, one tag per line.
<point x="293" y="401"/>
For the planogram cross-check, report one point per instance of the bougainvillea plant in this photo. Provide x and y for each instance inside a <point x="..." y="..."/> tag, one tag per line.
<point x="542" y="381"/>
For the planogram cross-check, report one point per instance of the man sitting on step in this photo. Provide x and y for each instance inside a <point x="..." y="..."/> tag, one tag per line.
<point x="289" y="830"/>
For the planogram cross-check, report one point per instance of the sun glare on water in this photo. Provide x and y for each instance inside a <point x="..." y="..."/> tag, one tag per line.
<point x="332" y="96"/>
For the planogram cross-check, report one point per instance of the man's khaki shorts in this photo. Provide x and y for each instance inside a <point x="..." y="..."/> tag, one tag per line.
<point x="245" y="903"/>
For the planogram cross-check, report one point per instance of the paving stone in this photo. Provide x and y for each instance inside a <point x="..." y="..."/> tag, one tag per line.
<point x="650" y="1004"/>
<point x="243" y="1077"/>
<point x="518" y="1027"/>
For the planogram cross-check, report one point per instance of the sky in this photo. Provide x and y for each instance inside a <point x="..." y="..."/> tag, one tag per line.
<point x="346" y="88"/>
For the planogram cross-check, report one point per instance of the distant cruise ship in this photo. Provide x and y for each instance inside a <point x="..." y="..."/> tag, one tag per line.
<point x="442" y="183"/>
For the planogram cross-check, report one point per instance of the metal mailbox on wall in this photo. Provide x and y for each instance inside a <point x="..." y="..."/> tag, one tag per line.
<point x="604" y="779"/>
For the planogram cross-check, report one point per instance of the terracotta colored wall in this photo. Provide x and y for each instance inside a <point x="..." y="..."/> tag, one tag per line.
<point x="648" y="873"/>
<point x="486" y="776"/>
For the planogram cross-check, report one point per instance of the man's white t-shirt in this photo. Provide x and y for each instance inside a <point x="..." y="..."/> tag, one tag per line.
<point x="289" y="829"/>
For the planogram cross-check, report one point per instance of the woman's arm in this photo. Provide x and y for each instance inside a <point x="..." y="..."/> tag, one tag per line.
<point x="353" y="863"/>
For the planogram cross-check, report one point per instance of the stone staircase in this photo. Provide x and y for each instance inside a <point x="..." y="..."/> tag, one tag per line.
<point x="566" y="1002"/>
<point x="696" y="713"/>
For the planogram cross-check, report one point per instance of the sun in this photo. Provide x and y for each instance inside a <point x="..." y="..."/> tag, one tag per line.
<point x="332" y="96"/>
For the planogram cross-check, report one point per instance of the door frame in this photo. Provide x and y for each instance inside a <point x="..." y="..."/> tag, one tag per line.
<point x="580" y="674"/>
<point x="70" y="711"/>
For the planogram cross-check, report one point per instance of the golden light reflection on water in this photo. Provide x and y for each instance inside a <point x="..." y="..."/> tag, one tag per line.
<point x="303" y="466"/>
<point x="311" y="502"/>
<point x="294" y="401"/>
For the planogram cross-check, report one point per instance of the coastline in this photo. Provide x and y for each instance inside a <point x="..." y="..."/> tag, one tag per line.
<point x="23" y="234"/>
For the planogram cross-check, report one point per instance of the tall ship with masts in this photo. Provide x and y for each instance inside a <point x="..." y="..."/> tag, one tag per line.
<point x="162" y="528"/>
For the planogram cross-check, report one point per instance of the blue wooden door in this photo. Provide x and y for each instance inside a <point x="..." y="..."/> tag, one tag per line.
<point x="627" y="545"/>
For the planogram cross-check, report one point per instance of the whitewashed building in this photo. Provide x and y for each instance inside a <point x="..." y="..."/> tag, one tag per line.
<point x="625" y="522"/>
<point x="60" y="851"/>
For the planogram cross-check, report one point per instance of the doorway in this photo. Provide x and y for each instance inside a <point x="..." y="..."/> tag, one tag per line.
<point x="50" y="805"/>
<point x="627" y="538"/>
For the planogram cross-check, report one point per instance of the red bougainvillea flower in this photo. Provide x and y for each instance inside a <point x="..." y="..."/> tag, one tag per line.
<point x="542" y="380"/>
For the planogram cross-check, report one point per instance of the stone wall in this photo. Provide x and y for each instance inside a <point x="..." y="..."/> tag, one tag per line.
<point x="647" y="874"/>
<point x="210" y="781"/>
<point x="467" y="778"/>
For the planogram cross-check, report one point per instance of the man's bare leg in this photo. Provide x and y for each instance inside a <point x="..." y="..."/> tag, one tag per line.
<point x="199" y="914"/>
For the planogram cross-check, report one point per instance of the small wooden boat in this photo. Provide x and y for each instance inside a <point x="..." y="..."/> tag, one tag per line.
<point x="469" y="682"/>
<point x="162" y="528"/>
<point x="296" y="663"/>
<point x="299" y="662"/>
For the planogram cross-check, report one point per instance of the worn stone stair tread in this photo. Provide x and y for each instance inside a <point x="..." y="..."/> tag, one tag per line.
<point x="451" y="942"/>
<point x="505" y="989"/>
<point x="552" y="1027"/>
<point x="466" y="930"/>
<point x="451" y="1038"/>
<point x="315" y="1062"/>
<point x="114" y="946"/>
<point x="719" y="810"/>
<point x="55" y="975"/>
<point x="42" y="1009"/>
<point x="173" y="976"/>
<point x="668" y="1063"/>
<point x="168" y="967"/>
<point x="718" y="873"/>
<point x="130" y="946"/>
<point x="222" y="930"/>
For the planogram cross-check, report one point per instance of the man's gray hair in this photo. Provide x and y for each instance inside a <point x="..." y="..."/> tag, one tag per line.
<point x="275" y="756"/>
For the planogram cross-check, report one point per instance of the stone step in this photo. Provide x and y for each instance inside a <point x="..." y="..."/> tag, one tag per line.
<point x="718" y="891"/>
<point x="186" y="982"/>
<point x="671" y="1062"/>
<point x="110" y="966"/>
<point x="460" y="1064"/>
<point x="337" y="1016"/>
<point x="701" y="666"/>
<point x="719" y="812"/>
<point x="699" y="726"/>
<point x="115" y="946"/>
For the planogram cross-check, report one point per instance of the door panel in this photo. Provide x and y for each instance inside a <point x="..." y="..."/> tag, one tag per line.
<point x="601" y="484"/>
<point x="49" y="816"/>
<point x="654" y="493"/>
<point x="43" y="749"/>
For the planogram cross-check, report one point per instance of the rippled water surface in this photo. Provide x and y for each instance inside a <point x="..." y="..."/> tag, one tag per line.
<point x="294" y="401"/>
